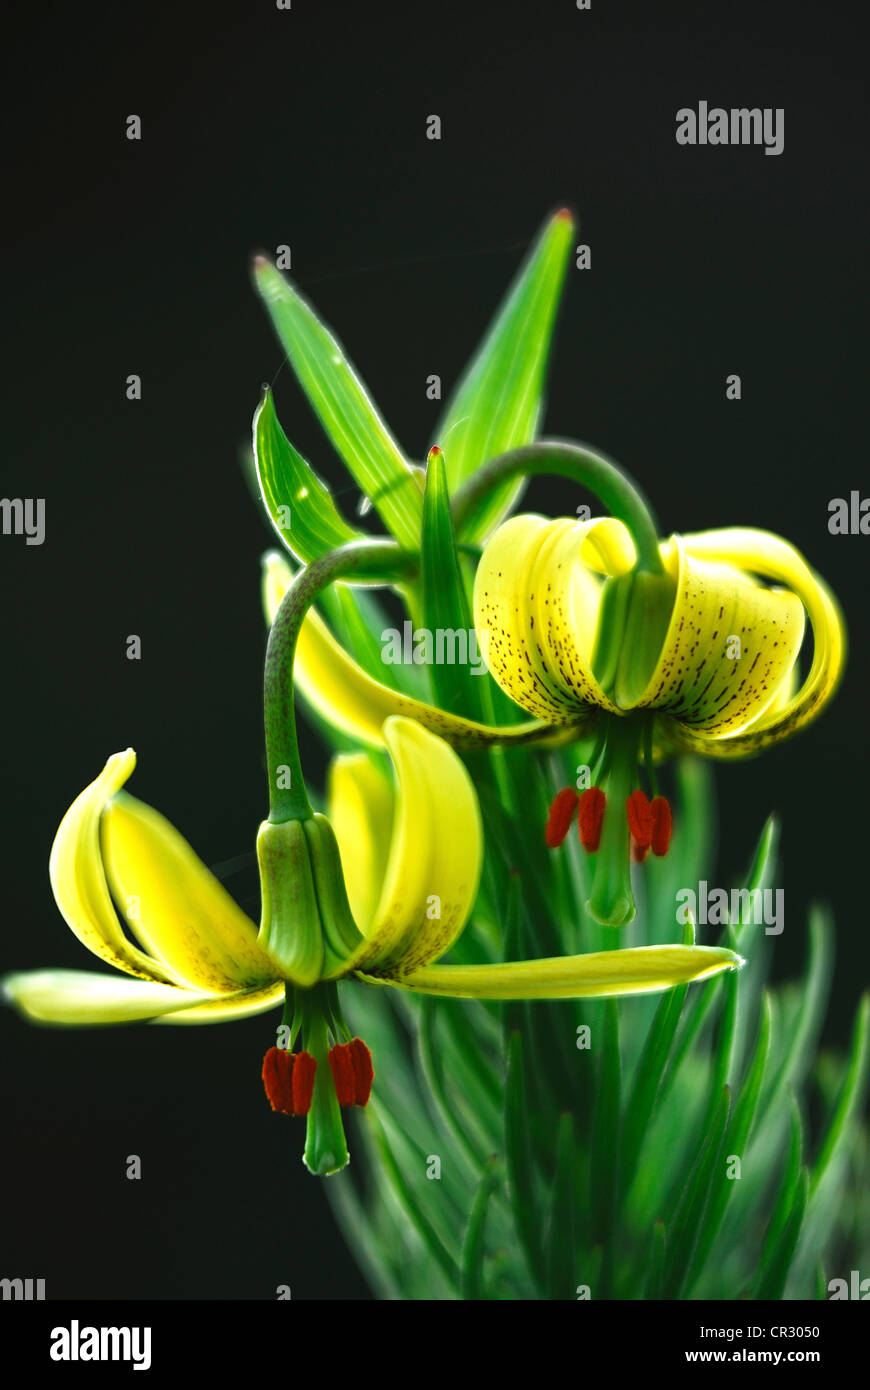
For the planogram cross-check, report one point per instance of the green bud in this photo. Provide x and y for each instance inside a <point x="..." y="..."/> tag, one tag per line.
<point x="290" y="925"/>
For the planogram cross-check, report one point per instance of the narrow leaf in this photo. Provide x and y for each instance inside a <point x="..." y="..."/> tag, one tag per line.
<point x="648" y="1078"/>
<point x="471" y="1272"/>
<point x="693" y="1203"/>
<point x="736" y="1139"/>
<point x="849" y="1099"/>
<point x="299" y="504"/>
<point x="497" y="404"/>
<point x="446" y="614"/>
<point x="774" y="1274"/>
<point x="344" y="406"/>
<point x="561" y="1244"/>
<point x="519" y="1160"/>
<point x="788" y="1183"/>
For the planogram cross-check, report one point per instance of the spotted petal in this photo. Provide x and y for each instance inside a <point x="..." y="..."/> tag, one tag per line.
<point x="758" y="552"/>
<point x="175" y="906"/>
<point x="537" y="595"/>
<point x="729" y="648"/>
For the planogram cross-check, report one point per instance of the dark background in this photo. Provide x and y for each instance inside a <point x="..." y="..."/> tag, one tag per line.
<point x="307" y="127"/>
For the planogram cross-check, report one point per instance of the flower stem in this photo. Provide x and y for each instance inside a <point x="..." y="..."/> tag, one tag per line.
<point x="585" y="466"/>
<point x="373" y="561"/>
<point x="611" y="901"/>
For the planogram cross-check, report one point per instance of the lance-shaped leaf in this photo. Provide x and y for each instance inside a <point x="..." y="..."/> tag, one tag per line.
<point x="344" y="406"/>
<point x="460" y="681"/>
<point x="497" y="403"/>
<point x="299" y="504"/>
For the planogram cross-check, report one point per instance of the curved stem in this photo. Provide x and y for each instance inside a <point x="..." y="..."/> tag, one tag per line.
<point x="377" y="561"/>
<point x="587" y="467"/>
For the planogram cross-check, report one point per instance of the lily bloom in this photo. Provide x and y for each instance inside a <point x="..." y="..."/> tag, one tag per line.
<point x="700" y="657"/>
<point x="379" y="912"/>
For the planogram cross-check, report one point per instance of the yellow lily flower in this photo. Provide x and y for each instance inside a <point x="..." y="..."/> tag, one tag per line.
<point x="412" y="858"/>
<point x="714" y="676"/>
<point x="700" y="656"/>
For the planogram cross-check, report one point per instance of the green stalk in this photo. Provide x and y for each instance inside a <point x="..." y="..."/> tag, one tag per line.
<point x="589" y="469"/>
<point x="381" y="561"/>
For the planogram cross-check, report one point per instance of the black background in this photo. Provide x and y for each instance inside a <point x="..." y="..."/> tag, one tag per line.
<point x="307" y="127"/>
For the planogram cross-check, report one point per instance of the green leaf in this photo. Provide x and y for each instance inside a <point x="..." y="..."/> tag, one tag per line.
<point x="520" y="1174"/>
<point x="471" y="1271"/>
<point x="775" y="1271"/>
<point x="433" y="1070"/>
<point x="724" y="1054"/>
<point x="299" y="504"/>
<point x="736" y="1139"/>
<point x="692" y="1205"/>
<point x="850" y="1096"/>
<point x="497" y="403"/>
<point x="445" y="605"/>
<point x="788" y="1183"/>
<point x="647" y="1082"/>
<point x="410" y="1202"/>
<point x="604" y="1158"/>
<point x="761" y="870"/>
<point x="814" y="994"/>
<point x="561" y="1244"/>
<point x="342" y="402"/>
<point x="656" y="1262"/>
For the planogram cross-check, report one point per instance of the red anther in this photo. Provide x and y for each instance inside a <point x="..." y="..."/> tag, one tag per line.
<point x="352" y="1072"/>
<point x="590" y="815"/>
<point x="560" y="817"/>
<point x="278" y="1079"/>
<point x="638" y="852"/>
<point x="303" y="1083"/>
<point x="640" y="820"/>
<point x="662" y="825"/>
<point x="341" y="1063"/>
<point x="363" y="1070"/>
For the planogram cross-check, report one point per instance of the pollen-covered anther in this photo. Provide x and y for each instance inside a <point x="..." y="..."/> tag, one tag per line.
<point x="560" y="817"/>
<point x="590" y="817"/>
<point x="289" y="1080"/>
<point x="640" y="824"/>
<point x="352" y="1072"/>
<point x="662" y="824"/>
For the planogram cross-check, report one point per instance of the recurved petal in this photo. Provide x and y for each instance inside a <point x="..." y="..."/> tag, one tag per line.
<point x="766" y="555"/>
<point x="361" y="808"/>
<point x="435" y="855"/>
<point x="537" y="595"/>
<point x="356" y="703"/>
<point x="637" y="970"/>
<point x="83" y="997"/>
<point x="729" y="647"/>
<point x="175" y="906"/>
<point x="232" y="1007"/>
<point x="78" y="881"/>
